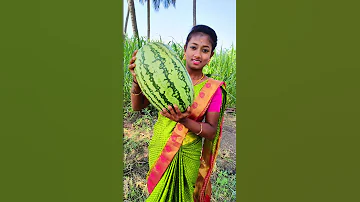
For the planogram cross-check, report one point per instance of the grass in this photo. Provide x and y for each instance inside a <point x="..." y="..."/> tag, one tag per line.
<point x="223" y="186"/>
<point x="136" y="141"/>
<point x="135" y="168"/>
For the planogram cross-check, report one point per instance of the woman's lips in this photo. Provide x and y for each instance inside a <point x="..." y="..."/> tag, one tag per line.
<point x="196" y="62"/>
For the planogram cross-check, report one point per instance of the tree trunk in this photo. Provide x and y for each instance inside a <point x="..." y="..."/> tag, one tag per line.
<point x="148" y="19"/>
<point x="133" y="18"/>
<point x="194" y="12"/>
<point x="126" y="20"/>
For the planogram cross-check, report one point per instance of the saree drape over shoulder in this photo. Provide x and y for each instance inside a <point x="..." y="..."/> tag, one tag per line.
<point x="180" y="161"/>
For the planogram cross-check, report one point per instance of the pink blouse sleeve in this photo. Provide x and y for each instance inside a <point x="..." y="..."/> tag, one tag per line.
<point x="215" y="103"/>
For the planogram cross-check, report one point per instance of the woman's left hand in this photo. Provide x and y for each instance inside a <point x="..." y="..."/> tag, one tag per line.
<point x="175" y="114"/>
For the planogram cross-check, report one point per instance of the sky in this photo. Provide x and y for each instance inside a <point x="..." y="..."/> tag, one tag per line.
<point x="175" y="23"/>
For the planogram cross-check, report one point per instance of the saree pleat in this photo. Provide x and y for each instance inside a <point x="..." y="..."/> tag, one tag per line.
<point x="178" y="181"/>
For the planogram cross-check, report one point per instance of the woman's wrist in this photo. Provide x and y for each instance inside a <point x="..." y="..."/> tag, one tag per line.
<point x="135" y="93"/>
<point x="183" y="120"/>
<point x="136" y="90"/>
<point x="135" y="82"/>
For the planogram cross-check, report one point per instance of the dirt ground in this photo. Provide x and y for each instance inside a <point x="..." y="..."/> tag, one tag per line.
<point x="228" y="143"/>
<point x="229" y="133"/>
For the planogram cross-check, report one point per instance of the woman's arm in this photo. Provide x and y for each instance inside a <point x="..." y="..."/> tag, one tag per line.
<point x="205" y="129"/>
<point x="138" y="100"/>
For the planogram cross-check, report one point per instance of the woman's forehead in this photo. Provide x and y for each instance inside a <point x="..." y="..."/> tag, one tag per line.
<point x="200" y="39"/>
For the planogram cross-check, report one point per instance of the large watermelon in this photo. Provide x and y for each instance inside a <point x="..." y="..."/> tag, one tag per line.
<point x="162" y="77"/>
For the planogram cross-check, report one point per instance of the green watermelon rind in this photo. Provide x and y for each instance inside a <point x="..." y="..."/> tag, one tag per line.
<point x="162" y="77"/>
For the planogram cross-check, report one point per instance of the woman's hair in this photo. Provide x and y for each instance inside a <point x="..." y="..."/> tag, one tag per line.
<point x="206" y="30"/>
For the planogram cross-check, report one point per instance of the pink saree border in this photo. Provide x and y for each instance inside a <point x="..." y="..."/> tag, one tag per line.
<point x="202" y="192"/>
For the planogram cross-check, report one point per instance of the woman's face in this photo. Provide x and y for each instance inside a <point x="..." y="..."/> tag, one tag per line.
<point x="198" y="51"/>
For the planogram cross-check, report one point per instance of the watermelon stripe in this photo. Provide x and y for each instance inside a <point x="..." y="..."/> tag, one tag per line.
<point x="184" y="76"/>
<point x="183" y="103"/>
<point x="177" y="91"/>
<point x="154" y="88"/>
<point x="166" y="94"/>
<point x="162" y="77"/>
<point x="151" y="97"/>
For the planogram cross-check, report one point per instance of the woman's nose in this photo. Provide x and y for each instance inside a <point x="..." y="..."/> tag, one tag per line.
<point x="197" y="54"/>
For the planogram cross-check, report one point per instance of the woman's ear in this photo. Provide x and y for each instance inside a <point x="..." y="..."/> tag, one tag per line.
<point x="184" y="48"/>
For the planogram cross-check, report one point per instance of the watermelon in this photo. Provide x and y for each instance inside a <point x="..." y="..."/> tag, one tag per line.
<point x="162" y="77"/>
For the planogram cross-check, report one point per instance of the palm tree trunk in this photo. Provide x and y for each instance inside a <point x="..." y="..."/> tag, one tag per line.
<point x="148" y="19"/>
<point x="133" y="18"/>
<point x="126" y="20"/>
<point x="194" y="12"/>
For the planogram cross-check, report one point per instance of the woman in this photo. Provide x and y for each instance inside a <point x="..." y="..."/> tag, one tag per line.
<point x="180" y="162"/>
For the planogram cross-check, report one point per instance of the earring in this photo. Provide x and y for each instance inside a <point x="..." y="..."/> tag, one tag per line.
<point x="184" y="58"/>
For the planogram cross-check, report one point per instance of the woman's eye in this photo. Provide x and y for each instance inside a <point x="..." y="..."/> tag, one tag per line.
<point x="193" y="47"/>
<point x="205" y="50"/>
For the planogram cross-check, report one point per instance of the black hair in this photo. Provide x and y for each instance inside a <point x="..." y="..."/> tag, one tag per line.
<point x="206" y="30"/>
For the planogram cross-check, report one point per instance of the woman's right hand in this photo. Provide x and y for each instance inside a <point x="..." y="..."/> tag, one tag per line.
<point x="132" y="65"/>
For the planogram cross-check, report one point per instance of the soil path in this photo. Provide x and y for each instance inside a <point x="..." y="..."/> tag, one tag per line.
<point x="229" y="133"/>
<point x="228" y="144"/>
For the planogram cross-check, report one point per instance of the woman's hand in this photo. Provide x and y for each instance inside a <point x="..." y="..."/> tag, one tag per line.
<point x="132" y="65"/>
<point x="175" y="114"/>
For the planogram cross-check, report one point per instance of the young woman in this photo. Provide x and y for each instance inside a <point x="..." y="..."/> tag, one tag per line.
<point x="180" y="160"/>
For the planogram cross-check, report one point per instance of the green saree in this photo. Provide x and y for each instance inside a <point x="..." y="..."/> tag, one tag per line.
<point x="180" y="177"/>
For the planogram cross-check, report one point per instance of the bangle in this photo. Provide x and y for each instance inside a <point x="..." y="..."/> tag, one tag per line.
<point x="200" y="130"/>
<point x="136" y="93"/>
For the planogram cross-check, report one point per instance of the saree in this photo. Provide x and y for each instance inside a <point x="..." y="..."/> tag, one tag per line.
<point x="180" y="161"/>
